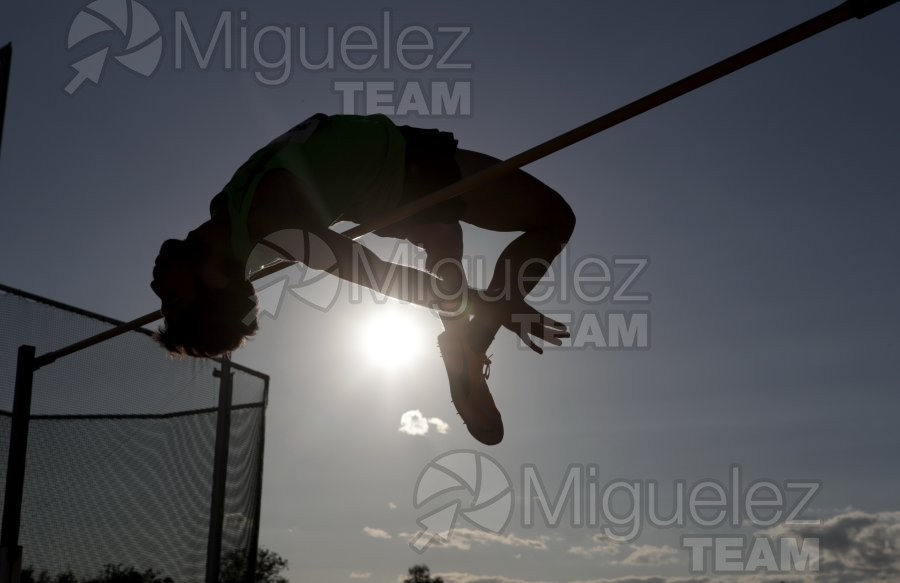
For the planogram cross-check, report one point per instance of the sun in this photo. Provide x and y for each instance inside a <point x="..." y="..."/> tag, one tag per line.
<point x="393" y="338"/>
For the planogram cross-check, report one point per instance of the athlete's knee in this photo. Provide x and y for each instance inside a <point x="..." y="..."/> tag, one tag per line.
<point x="560" y="221"/>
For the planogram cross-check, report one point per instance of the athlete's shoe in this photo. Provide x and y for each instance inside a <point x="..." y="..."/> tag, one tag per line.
<point x="468" y="372"/>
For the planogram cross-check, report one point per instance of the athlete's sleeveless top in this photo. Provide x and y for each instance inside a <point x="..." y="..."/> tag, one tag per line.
<point x="353" y="166"/>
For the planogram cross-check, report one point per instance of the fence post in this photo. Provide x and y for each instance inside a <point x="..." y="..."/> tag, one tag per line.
<point x="250" y="574"/>
<point x="220" y="473"/>
<point x="10" y="551"/>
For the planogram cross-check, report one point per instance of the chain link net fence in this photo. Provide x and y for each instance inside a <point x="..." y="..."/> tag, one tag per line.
<point x="121" y="448"/>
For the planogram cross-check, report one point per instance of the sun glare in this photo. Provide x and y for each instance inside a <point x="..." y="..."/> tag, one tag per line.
<point x="392" y="338"/>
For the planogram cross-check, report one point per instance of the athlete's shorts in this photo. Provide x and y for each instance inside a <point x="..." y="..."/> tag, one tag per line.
<point x="430" y="166"/>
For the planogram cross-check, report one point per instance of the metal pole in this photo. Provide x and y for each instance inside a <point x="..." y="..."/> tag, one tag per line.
<point x="10" y="551"/>
<point x="49" y="357"/>
<point x="5" y="67"/>
<point x="220" y="473"/>
<point x="847" y="10"/>
<point x="690" y="83"/>
<point x="250" y="574"/>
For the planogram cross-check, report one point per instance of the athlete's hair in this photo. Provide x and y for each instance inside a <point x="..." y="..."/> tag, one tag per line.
<point x="217" y="321"/>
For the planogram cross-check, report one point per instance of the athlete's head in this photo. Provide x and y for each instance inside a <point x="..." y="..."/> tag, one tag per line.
<point x="208" y="305"/>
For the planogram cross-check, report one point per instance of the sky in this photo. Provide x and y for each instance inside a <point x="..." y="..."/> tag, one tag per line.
<point x="762" y="209"/>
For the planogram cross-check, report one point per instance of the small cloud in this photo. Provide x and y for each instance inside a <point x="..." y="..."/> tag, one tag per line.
<point x="440" y="425"/>
<point x="358" y="575"/>
<point x="640" y="554"/>
<point x="376" y="533"/>
<point x="463" y="538"/>
<point x="650" y="555"/>
<point x="415" y="423"/>
<point x="392" y="506"/>
<point x="603" y="546"/>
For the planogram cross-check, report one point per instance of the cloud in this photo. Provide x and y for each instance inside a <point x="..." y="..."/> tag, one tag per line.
<point x="603" y="546"/>
<point x="640" y="555"/>
<point x="650" y="555"/>
<point x="439" y="425"/>
<point x="463" y="539"/>
<point x="854" y="546"/>
<point x="415" y="423"/>
<point x="376" y="533"/>
<point x="358" y="575"/>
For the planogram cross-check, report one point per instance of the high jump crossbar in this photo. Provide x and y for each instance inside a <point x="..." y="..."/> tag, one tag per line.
<point x="837" y="15"/>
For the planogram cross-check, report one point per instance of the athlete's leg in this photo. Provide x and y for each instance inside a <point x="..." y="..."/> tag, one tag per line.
<point x="443" y="245"/>
<point x="514" y="202"/>
<point x="442" y="242"/>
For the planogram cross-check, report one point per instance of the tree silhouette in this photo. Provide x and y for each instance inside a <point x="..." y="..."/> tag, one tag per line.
<point x="27" y="576"/>
<point x="421" y="574"/>
<point x="121" y="574"/>
<point x="110" y="574"/>
<point x="269" y="566"/>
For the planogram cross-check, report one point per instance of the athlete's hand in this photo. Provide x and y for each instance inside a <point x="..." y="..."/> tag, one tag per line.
<point x="523" y="320"/>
